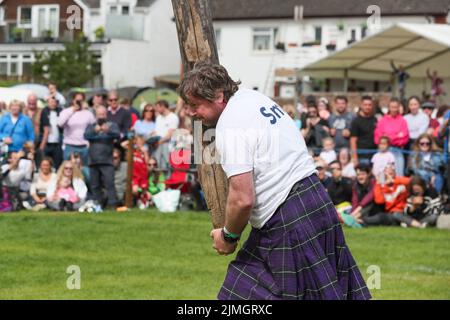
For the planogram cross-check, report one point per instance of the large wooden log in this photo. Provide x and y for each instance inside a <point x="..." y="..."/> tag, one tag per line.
<point x="197" y="43"/>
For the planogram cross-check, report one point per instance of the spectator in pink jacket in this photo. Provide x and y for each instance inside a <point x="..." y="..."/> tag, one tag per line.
<point x="395" y="127"/>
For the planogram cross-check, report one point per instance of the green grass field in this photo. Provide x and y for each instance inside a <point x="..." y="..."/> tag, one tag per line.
<point x="150" y="255"/>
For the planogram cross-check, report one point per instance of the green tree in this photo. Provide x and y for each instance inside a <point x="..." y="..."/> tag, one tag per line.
<point x="72" y="67"/>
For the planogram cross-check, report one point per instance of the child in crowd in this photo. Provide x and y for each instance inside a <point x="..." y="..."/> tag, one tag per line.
<point x="383" y="157"/>
<point x="65" y="194"/>
<point x="140" y="173"/>
<point x="328" y="154"/>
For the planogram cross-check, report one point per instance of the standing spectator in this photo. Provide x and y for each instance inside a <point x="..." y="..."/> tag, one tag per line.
<point x="345" y="159"/>
<point x="363" y="204"/>
<point x="427" y="161"/>
<point x="423" y="206"/>
<point x="314" y="129"/>
<point x="126" y="104"/>
<point x="53" y="93"/>
<point x="444" y="133"/>
<point x="3" y="108"/>
<point x="362" y="132"/>
<point x="433" y="127"/>
<point x="340" y="122"/>
<point x="74" y="121"/>
<point x="402" y="77"/>
<point x="436" y="84"/>
<point x="383" y="157"/>
<point x="120" y="174"/>
<point x="324" y="109"/>
<point x="101" y="136"/>
<point x="51" y="134"/>
<point x="39" y="186"/>
<point x="140" y="174"/>
<point x="15" y="128"/>
<point x="417" y="121"/>
<point x="32" y="111"/>
<point x="394" y="126"/>
<point x="391" y="192"/>
<point x="146" y="126"/>
<point x="328" y="154"/>
<point x="118" y="115"/>
<point x="166" y="123"/>
<point x="71" y="172"/>
<point x="290" y="110"/>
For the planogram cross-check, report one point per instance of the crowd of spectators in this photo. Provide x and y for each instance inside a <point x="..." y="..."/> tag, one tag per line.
<point x="382" y="165"/>
<point x="62" y="157"/>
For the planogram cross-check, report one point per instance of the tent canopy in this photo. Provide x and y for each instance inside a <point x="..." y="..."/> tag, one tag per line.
<point x="415" y="46"/>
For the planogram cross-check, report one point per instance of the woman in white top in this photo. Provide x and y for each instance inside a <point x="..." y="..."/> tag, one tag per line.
<point x="69" y="170"/>
<point x="40" y="184"/>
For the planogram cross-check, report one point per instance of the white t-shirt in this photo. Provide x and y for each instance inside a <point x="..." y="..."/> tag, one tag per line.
<point x="254" y="134"/>
<point x="164" y="123"/>
<point x="53" y="135"/>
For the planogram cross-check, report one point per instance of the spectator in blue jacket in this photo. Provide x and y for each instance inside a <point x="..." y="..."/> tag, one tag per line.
<point x="444" y="132"/>
<point x="15" y="128"/>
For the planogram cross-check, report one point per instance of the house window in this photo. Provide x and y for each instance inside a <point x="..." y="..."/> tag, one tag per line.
<point x="264" y="39"/>
<point x="363" y="32"/>
<point x="3" y="68"/>
<point x="2" y="16"/>
<point x="120" y="9"/>
<point x="318" y="34"/>
<point x="45" y="21"/>
<point x="24" y="16"/>
<point x="15" y="64"/>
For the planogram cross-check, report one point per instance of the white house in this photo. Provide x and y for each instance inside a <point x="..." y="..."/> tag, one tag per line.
<point x="257" y="37"/>
<point x="139" y="43"/>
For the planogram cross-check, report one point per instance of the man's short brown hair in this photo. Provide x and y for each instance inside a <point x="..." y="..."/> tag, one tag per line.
<point x="205" y="80"/>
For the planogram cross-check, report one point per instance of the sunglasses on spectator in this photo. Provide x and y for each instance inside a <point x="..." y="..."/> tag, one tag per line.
<point x="113" y="99"/>
<point x="152" y="164"/>
<point x="425" y="143"/>
<point x="68" y="168"/>
<point x="148" y="110"/>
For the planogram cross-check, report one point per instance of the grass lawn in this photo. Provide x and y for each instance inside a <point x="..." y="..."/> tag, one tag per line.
<point x="150" y="255"/>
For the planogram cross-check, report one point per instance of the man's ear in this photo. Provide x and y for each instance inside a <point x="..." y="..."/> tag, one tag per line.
<point x="221" y="98"/>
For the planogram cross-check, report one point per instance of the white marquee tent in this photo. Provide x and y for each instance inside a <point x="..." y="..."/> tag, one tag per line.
<point x="415" y="46"/>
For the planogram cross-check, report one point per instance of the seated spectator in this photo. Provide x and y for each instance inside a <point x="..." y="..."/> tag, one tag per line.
<point x="120" y="175"/>
<point x="423" y="206"/>
<point x="394" y="126"/>
<point x="77" y="161"/>
<point x="156" y="178"/>
<point x="444" y="134"/>
<point x="64" y="195"/>
<point x="15" y="128"/>
<point x="391" y="192"/>
<point x="101" y="137"/>
<point x="41" y="181"/>
<point x="73" y="173"/>
<point x="328" y="154"/>
<point x="363" y="204"/>
<point x="146" y="125"/>
<point x="383" y="157"/>
<point x="16" y="177"/>
<point x="345" y="159"/>
<point x="314" y="129"/>
<point x="322" y="173"/>
<point x="427" y="162"/>
<point x="339" y="188"/>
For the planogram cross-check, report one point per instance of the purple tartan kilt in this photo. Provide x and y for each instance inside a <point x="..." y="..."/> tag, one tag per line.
<point x="300" y="253"/>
